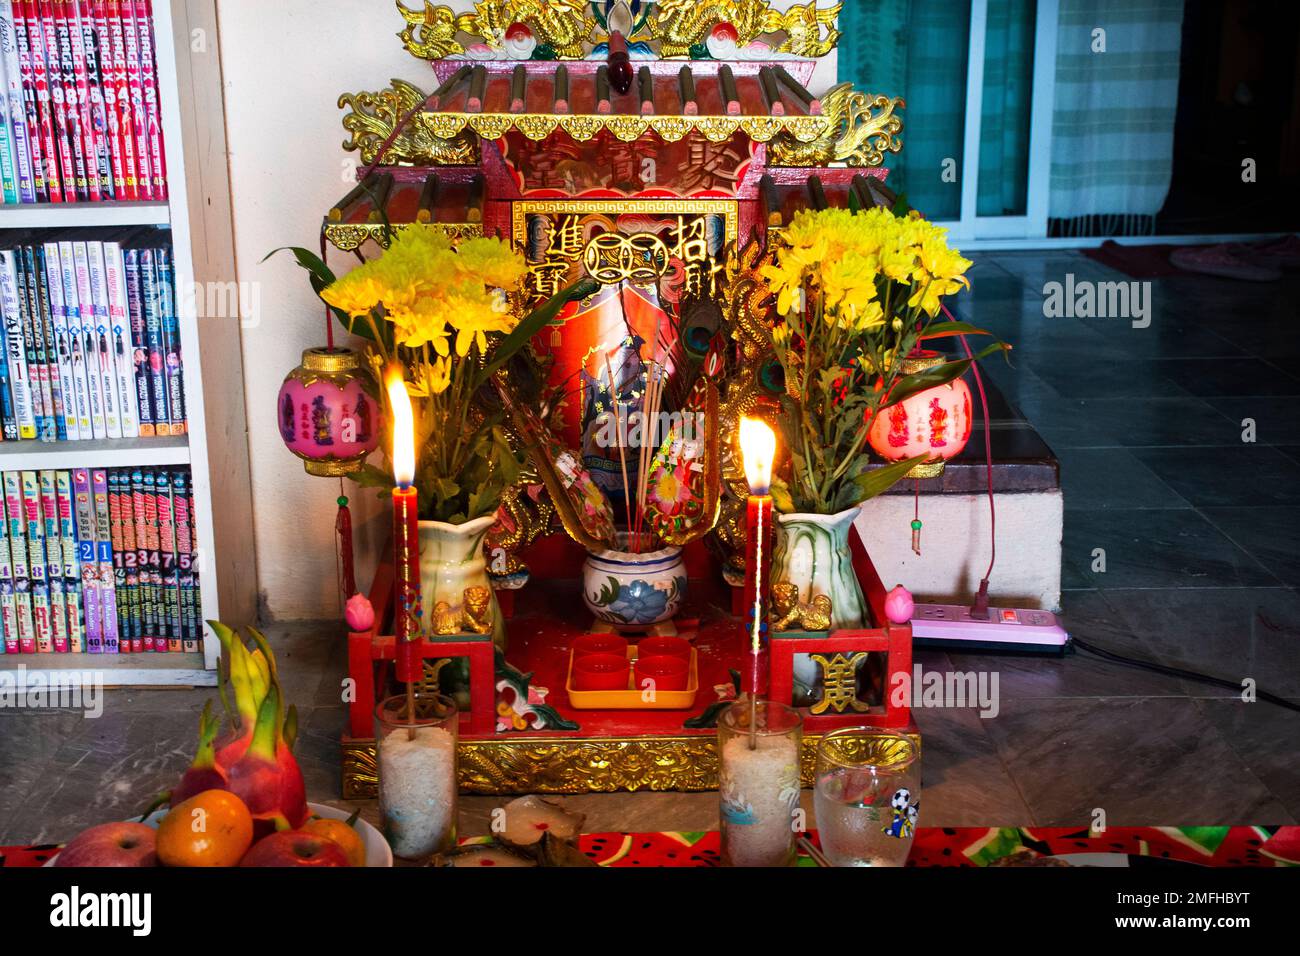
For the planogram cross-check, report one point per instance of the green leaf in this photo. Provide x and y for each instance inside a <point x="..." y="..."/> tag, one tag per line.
<point x="937" y="330"/>
<point x="533" y="323"/>
<point x="909" y="385"/>
<point x="879" y="480"/>
<point x="781" y="499"/>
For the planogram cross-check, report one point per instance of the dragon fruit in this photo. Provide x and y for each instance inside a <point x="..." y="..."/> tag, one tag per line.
<point x="254" y="758"/>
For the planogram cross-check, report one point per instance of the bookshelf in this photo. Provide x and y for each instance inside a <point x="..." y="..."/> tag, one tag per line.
<point x="197" y="216"/>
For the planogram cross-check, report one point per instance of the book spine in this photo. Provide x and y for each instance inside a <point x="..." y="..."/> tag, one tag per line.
<point x="139" y="342"/>
<point x="173" y="363"/>
<point x="149" y="87"/>
<point x="105" y="366"/>
<point x="57" y="404"/>
<point x="72" y="307"/>
<point x="32" y="110"/>
<point x="70" y="566"/>
<point x="153" y="547"/>
<point x="18" y="556"/>
<point x="87" y="562"/>
<point x="8" y="169"/>
<point x="8" y="606"/>
<point x="40" y="591"/>
<point x="39" y="362"/>
<point x="95" y="112"/>
<point x="8" y="422"/>
<point x="183" y="505"/>
<point x="19" y="172"/>
<point x="119" y="339"/>
<point x="154" y="341"/>
<point x="101" y="40"/>
<point x="135" y="89"/>
<point x="30" y="349"/>
<point x="144" y="590"/>
<point x="104" y="556"/>
<point x="130" y="563"/>
<point x="44" y="83"/>
<point x="89" y="339"/>
<point x="54" y="562"/>
<point x="167" y="549"/>
<point x="15" y="349"/>
<point x="61" y="343"/>
<point x="63" y="89"/>
<point x="67" y="11"/>
<point x="125" y="634"/>
<point x="117" y="79"/>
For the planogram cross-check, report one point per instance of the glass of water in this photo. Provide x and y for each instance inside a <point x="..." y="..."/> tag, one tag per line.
<point x="867" y="796"/>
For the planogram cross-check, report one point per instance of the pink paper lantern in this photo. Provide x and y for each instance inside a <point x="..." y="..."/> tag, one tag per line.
<point x="325" y="413"/>
<point x="935" y="423"/>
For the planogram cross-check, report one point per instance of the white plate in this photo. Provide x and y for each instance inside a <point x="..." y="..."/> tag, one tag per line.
<point x="378" y="852"/>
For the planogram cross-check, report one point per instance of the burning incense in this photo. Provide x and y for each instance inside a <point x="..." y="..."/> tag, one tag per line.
<point x="620" y="431"/>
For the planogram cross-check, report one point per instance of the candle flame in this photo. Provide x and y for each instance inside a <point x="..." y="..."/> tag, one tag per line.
<point x="758" y="448"/>
<point x="403" y="429"/>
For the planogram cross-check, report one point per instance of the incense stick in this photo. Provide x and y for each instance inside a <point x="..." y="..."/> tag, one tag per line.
<point x="620" y="433"/>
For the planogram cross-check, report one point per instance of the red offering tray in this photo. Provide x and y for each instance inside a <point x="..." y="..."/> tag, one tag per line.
<point x="633" y="698"/>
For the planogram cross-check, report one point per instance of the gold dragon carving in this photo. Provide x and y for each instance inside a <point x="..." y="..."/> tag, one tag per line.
<point x="863" y="127"/>
<point x="375" y="115"/>
<point x="679" y="25"/>
<point x="432" y="33"/>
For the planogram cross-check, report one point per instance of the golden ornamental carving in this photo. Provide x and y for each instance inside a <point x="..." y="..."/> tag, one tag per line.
<point x="374" y="116"/>
<point x="679" y="25"/>
<point x="348" y="237"/>
<point x="581" y="128"/>
<point x="860" y="129"/>
<point x="536" y="126"/>
<point x="670" y="128"/>
<point x="567" y="29"/>
<point x="434" y="32"/>
<point x="575" y="764"/>
<point x="839" y="683"/>
<point x="717" y="129"/>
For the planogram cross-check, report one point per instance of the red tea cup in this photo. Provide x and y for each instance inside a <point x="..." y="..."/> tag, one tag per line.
<point x="585" y="644"/>
<point x="665" y="647"/>
<point x="668" y="673"/>
<point x="600" y="672"/>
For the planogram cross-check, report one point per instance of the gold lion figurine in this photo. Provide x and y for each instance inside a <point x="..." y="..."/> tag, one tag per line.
<point x="787" y="612"/>
<point x="476" y="615"/>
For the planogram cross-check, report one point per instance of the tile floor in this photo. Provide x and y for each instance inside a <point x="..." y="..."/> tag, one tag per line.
<point x="1201" y="533"/>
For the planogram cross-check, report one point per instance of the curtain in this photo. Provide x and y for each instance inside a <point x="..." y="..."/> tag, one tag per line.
<point x="1113" y="116"/>
<point x="915" y="49"/>
<point x="1005" y="112"/>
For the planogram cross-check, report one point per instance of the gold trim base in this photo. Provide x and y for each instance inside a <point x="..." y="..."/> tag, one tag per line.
<point x="513" y="765"/>
<point x="926" y="469"/>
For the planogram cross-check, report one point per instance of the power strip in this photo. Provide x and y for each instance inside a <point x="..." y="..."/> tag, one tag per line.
<point x="1007" y="628"/>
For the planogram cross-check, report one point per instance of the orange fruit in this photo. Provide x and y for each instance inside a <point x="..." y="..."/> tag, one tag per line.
<point x="348" y="839"/>
<point x="212" y="828"/>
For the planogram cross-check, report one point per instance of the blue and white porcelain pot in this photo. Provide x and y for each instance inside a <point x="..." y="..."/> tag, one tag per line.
<point x="634" y="592"/>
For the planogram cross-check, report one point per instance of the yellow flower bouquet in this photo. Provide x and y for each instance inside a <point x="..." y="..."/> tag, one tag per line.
<point x="855" y="294"/>
<point x="450" y="318"/>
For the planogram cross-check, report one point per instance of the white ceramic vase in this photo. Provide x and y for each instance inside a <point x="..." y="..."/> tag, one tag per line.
<point x="812" y="553"/>
<point x="451" y="560"/>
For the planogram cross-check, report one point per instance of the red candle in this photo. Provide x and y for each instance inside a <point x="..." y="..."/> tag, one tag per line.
<point x="406" y="527"/>
<point x="758" y="447"/>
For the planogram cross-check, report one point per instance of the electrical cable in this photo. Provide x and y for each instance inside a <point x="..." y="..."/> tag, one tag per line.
<point x="1112" y="657"/>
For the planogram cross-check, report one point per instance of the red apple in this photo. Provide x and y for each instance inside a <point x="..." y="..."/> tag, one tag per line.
<point x="295" y="848"/>
<point x="110" y="844"/>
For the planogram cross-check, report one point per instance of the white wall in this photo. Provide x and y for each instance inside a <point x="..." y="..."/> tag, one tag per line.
<point x="284" y="64"/>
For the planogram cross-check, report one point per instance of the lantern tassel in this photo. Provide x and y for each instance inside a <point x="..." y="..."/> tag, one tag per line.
<point x="343" y="527"/>
<point x="916" y="520"/>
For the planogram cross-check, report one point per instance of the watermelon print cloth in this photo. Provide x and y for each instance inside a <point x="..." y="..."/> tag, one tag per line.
<point x="938" y="846"/>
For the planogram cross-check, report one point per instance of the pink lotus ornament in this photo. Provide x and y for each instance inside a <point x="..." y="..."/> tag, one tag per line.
<point x="359" y="613"/>
<point x="327" y="417"/>
<point x="899" y="605"/>
<point x="935" y="423"/>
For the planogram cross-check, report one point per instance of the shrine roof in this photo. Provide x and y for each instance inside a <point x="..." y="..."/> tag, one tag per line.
<point x="669" y="99"/>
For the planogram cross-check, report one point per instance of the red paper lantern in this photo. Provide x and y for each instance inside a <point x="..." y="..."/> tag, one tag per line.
<point x="935" y="423"/>
<point x="326" y="414"/>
